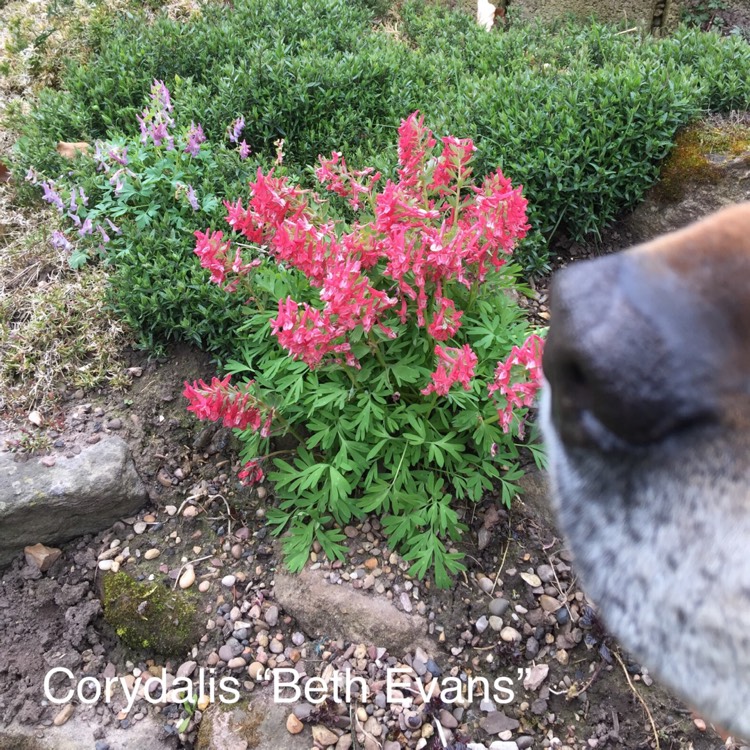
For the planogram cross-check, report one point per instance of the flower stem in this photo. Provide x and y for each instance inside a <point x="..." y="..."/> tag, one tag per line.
<point x="375" y="349"/>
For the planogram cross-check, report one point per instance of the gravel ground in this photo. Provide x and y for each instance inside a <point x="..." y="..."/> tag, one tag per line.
<point x="517" y="613"/>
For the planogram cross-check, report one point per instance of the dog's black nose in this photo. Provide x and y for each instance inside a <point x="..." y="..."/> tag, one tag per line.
<point x="630" y="353"/>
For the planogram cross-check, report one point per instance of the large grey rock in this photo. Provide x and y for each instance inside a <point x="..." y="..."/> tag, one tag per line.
<point x="322" y="608"/>
<point x="257" y="725"/>
<point x="78" y="734"/>
<point x="79" y="495"/>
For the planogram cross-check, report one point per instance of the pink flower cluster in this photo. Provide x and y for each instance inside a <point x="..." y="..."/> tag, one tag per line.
<point x="235" y="407"/>
<point x="335" y="176"/>
<point x="215" y="255"/>
<point x="251" y="473"/>
<point x="431" y="228"/>
<point x="518" y="379"/>
<point x="456" y="366"/>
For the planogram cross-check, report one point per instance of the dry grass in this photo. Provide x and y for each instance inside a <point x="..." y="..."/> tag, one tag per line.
<point x="56" y="332"/>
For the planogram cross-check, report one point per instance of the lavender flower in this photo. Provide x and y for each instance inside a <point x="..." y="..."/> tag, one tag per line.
<point x="59" y="240"/>
<point x="159" y="133"/>
<point x="100" y="158"/>
<point x="235" y="129"/>
<point x="119" y="154"/>
<point x="155" y="121"/>
<point x="194" y="139"/>
<point x="105" y="236"/>
<point x="144" y="127"/>
<point x="244" y="150"/>
<point x="87" y="228"/>
<point x="117" y="181"/>
<point x="52" y="197"/>
<point x="192" y="200"/>
<point x="112" y="226"/>
<point x="160" y="95"/>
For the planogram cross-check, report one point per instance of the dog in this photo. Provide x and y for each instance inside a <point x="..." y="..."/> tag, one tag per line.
<point x="645" y="412"/>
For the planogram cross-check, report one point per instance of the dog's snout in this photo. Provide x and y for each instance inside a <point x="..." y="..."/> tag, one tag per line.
<point x="627" y="359"/>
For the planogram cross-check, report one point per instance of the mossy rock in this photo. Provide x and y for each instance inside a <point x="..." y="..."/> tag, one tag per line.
<point x="148" y="616"/>
<point x="693" y="159"/>
<point x="18" y="742"/>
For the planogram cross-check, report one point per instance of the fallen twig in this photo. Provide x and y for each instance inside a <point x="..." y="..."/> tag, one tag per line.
<point x="640" y="699"/>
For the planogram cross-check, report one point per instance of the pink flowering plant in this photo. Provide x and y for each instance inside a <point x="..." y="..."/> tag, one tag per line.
<point x="390" y="347"/>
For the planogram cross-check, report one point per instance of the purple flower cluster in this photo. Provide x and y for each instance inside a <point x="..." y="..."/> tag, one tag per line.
<point x="104" y="151"/>
<point x="60" y="241"/>
<point x="77" y="198"/>
<point x="192" y="199"/>
<point x="155" y="121"/>
<point x="156" y="124"/>
<point x="195" y="137"/>
<point x="52" y="196"/>
<point x="234" y="131"/>
<point x="120" y="155"/>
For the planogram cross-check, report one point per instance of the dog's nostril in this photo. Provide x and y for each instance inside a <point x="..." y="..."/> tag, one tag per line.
<point x="573" y="374"/>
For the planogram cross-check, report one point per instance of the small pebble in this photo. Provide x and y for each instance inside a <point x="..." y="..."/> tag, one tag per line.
<point x="498" y="607"/>
<point x="510" y="635"/>
<point x="187" y="579"/>
<point x="486" y="584"/>
<point x="294" y="725"/>
<point x="65" y="713"/>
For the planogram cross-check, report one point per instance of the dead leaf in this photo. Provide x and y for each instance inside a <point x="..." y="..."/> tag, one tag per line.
<point x="71" y="150"/>
<point x="491" y="518"/>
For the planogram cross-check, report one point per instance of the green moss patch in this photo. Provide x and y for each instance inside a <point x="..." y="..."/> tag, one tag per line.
<point x="148" y="616"/>
<point x="689" y="163"/>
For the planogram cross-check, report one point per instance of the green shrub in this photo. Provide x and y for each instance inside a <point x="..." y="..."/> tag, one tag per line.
<point x="581" y="115"/>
